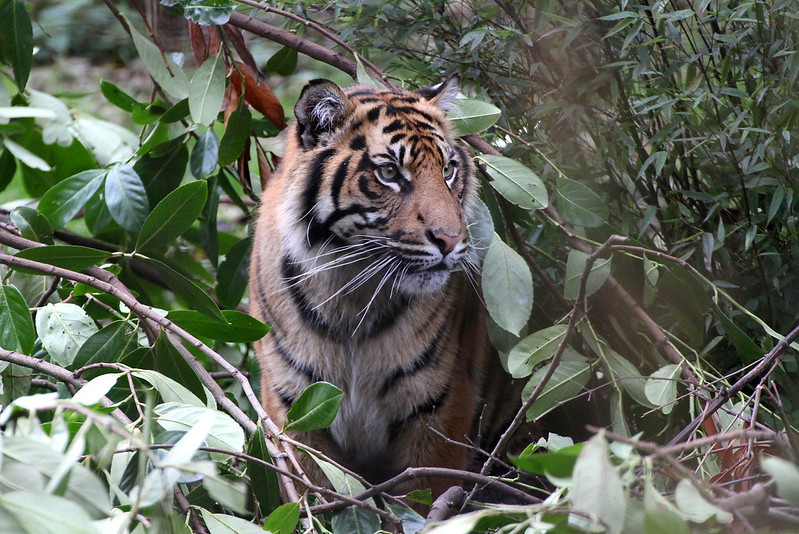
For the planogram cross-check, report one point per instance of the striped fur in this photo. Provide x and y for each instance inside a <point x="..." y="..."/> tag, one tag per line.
<point x="358" y="235"/>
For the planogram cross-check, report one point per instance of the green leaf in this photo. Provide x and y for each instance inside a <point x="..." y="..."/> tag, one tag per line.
<point x="534" y="349"/>
<point x="107" y="345"/>
<point x="117" y="96"/>
<point x="283" y="62"/>
<point x="160" y="66"/>
<point x="171" y="364"/>
<point x="204" y="155"/>
<point x="162" y="169"/>
<point x="125" y="197"/>
<point x="470" y="116"/>
<point x="186" y="289"/>
<point x="16" y="325"/>
<point x="26" y="157"/>
<point x="567" y="381"/>
<point x="240" y="327"/>
<point x="284" y="519"/>
<point x="228" y="524"/>
<point x="596" y="487"/>
<point x="63" y="328"/>
<point x="32" y="224"/>
<point x="225" y="433"/>
<point x="170" y="390"/>
<point x="16" y="40"/>
<point x="264" y="481"/>
<point x="42" y="513"/>
<point x="363" y="77"/>
<point x="579" y="205"/>
<point x="172" y="216"/>
<point x="356" y="520"/>
<point x="237" y="131"/>
<point x="8" y="168"/>
<point x="575" y="264"/>
<point x="232" y="274"/>
<point x="177" y="112"/>
<point x="70" y="257"/>
<point x="65" y="199"/>
<point x="663" y="521"/>
<point x="558" y="463"/>
<point x="694" y="506"/>
<point x="315" y="408"/>
<point x="745" y="345"/>
<point x="232" y="494"/>
<point x="507" y="287"/>
<point x="516" y="182"/>
<point x="785" y="474"/>
<point x="661" y="387"/>
<point x="206" y="90"/>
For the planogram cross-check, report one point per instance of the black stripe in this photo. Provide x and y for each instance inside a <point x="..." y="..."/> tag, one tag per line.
<point x="338" y="180"/>
<point x="313" y="181"/>
<point x="397" y="137"/>
<point x="369" y="100"/>
<point x="394" y="126"/>
<point x="389" y="315"/>
<point x="374" y="113"/>
<point x="418" y="364"/>
<point x="300" y="367"/>
<point x="425" y="408"/>
<point x="358" y="143"/>
<point x="286" y="398"/>
<point x="407" y="99"/>
<point x="361" y="93"/>
<point x="363" y="184"/>
<point x="309" y="315"/>
<point x="355" y="209"/>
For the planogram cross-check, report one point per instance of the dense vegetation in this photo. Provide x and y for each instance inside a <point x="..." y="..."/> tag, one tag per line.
<point x="639" y="161"/>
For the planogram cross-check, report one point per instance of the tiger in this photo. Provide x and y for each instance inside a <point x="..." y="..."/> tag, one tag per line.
<point x="361" y="266"/>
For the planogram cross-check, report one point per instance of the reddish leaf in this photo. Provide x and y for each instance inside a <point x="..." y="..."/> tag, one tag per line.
<point x="237" y="40"/>
<point x="214" y="43"/>
<point x="263" y="169"/>
<point x="199" y="44"/>
<point x="259" y="95"/>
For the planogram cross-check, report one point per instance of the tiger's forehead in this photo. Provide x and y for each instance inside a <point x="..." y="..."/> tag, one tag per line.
<point x="403" y="122"/>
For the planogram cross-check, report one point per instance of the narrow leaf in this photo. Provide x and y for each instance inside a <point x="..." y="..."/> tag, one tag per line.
<point x="575" y="264"/>
<point x="189" y="291"/>
<point x="16" y="40"/>
<point x="232" y="274"/>
<point x="534" y="349"/>
<point x="16" y="325"/>
<point x="163" y="70"/>
<point x="238" y="129"/>
<point x="661" y="387"/>
<point x="72" y="257"/>
<point x="240" y="327"/>
<point x="204" y="155"/>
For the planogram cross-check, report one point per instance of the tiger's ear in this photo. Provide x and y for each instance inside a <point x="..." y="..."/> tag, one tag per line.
<point x="443" y="95"/>
<point x="321" y="109"/>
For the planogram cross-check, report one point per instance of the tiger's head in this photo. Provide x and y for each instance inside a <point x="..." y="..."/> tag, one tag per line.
<point x="378" y="177"/>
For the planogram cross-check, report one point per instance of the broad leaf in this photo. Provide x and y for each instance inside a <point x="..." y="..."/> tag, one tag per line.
<point x="16" y="325"/>
<point x="65" y="199"/>
<point x="206" y="90"/>
<point x="32" y="224"/>
<point x="596" y="487"/>
<point x="209" y="12"/>
<point x="204" y="155"/>
<point x="264" y="481"/>
<point x="232" y="274"/>
<point x="225" y="433"/>
<point x="694" y="506"/>
<point x="160" y="66"/>
<point x="661" y="387"/>
<point x="283" y="62"/>
<point x="507" y="287"/>
<point x="170" y="390"/>
<point x="126" y="198"/>
<point x="470" y="116"/>
<point x="284" y="519"/>
<point x="172" y="216"/>
<point x="228" y="524"/>
<point x="162" y="169"/>
<point x="106" y="345"/>
<point x="25" y="156"/>
<point x="188" y="290"/>
<point x="117" y="96"/>
<point x="315" y="408"/>
<point x="575" y="264"/>
<point x="63" y="328"/>
<point x="558" y="463"/>
<point x="534" y="349"/>
<point x="46" y="514"/>
<point x="516" y="182"/>
<point x="579" y="205"/>
<point x="567" y="381"/>
<point x="786" y="475"/>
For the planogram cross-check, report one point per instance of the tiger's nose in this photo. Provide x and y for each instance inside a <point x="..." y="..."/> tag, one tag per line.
<point x="445" y="242"/>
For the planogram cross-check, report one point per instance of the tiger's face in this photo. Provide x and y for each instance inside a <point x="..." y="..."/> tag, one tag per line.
<point x="386" y="182"/>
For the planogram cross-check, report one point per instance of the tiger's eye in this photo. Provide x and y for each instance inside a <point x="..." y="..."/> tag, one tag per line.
<point x="449" y="170"/>
<point x="388" y="172"/>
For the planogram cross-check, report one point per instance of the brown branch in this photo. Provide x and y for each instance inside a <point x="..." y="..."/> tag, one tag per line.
<point x="445" y="506"/>
<point x="295" y="42"/>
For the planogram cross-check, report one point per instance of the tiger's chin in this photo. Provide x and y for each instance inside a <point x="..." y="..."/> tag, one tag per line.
<point x="424" y="282"/>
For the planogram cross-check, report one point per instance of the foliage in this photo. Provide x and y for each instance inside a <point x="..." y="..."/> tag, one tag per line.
<point x="640" y="175"/>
